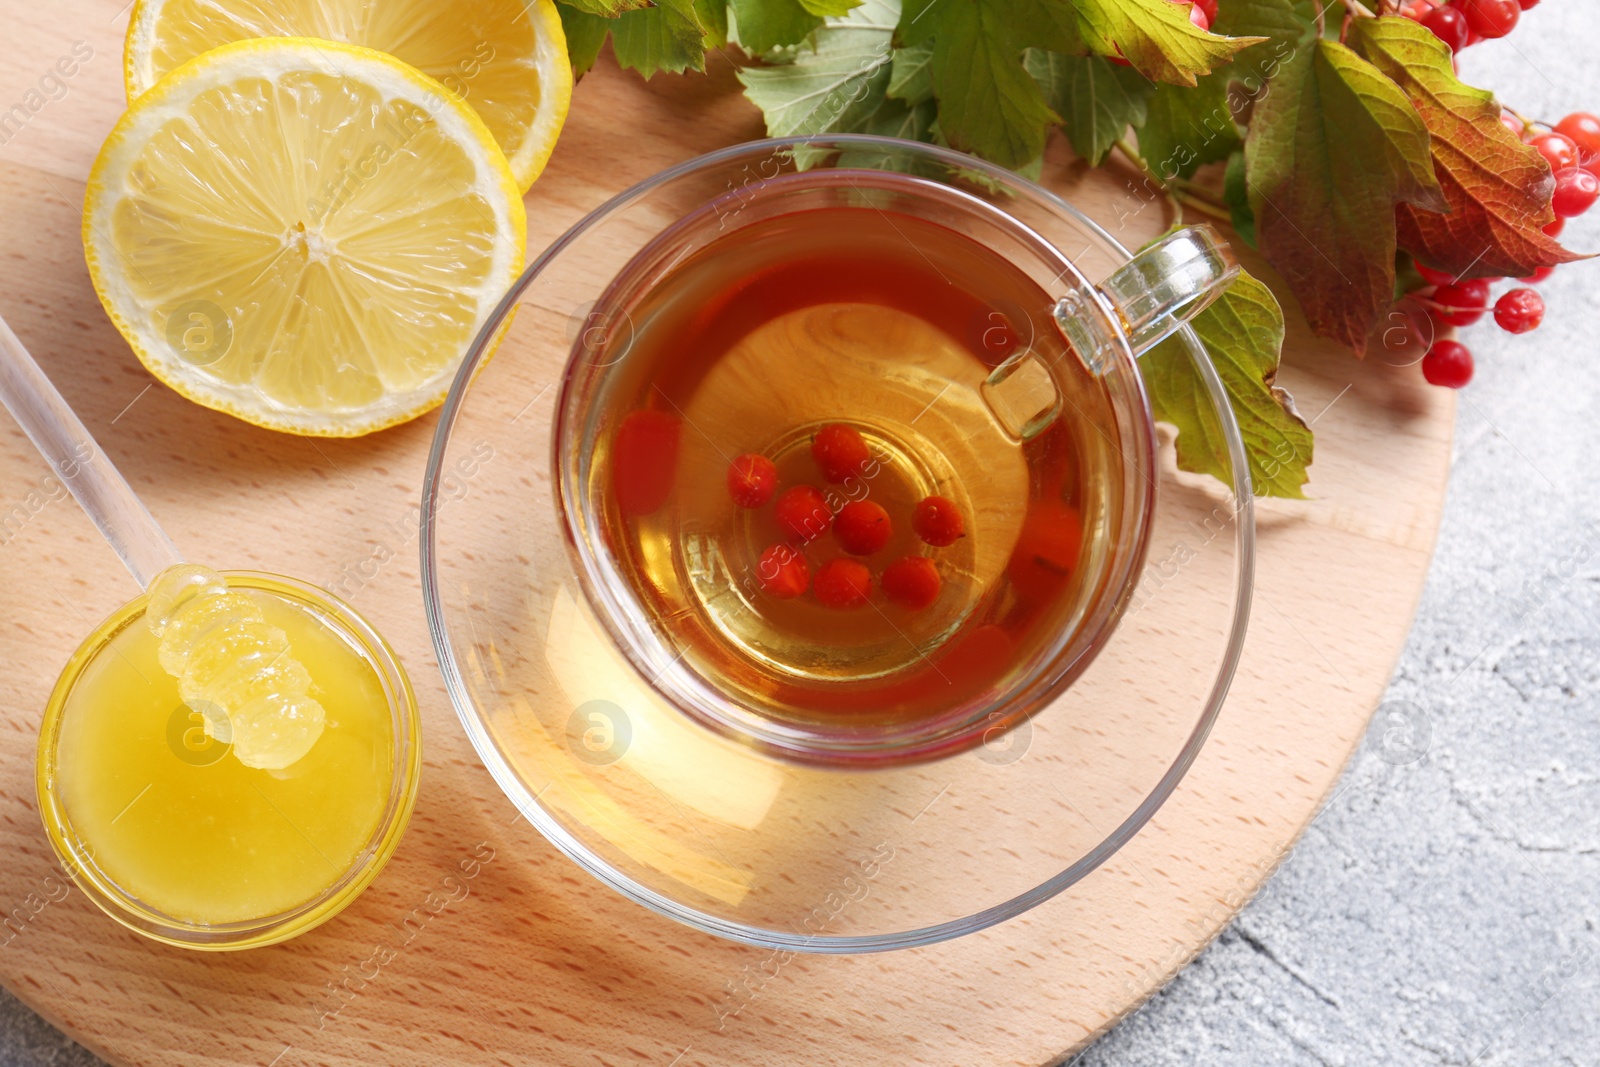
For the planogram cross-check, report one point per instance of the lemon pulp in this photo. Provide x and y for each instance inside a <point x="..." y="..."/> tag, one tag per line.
<point x="166" y="813"/>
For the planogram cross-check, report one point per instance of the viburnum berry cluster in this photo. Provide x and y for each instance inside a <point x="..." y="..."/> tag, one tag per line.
<point x="1459" y="23"/>
<point x="861" y="528"/>
<point x="1571" y="147"/>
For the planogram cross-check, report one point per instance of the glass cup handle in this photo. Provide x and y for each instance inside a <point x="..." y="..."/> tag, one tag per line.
<point x="1170" y="283"/>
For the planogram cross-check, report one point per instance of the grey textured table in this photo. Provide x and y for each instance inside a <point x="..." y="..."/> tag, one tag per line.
<point x="1441" y="911"/>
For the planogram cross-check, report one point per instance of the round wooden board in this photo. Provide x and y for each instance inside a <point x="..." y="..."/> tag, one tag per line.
<point x="538" y="963"/>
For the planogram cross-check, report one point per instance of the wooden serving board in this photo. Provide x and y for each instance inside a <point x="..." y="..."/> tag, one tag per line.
<point x="537" y="963"/>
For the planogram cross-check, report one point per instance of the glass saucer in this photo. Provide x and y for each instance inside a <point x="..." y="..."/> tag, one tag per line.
<point x="730" y="838"/>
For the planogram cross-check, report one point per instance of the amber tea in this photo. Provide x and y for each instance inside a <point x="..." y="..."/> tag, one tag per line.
<point x="847" y="465"/>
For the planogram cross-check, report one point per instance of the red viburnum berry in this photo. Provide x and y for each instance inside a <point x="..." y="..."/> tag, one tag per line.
<point x="1490" y="18"/>
<point x="783" y="572"/>
<point x="752" y="479"/>
<point x="1519" y="311"/>
<point x="803" y="512"/>
<point x="1448" y="363"/>
<point x="1559" y="150"/>
<point x="843" y="584"/>
<point x="840" y="452"/>
<point x="1047" y="546"/>
<point x="1462" y="304"/>
<point x="1576" y="192"/>
<point x="1584" y="131"/>
<point x="1449" y="25"/>
<point x="862" y="527"/>
<point x="644" y="459"/>
<point x="937" y="520"/>
<point x="1435" y="277"/>
<point x="911" y="583"/>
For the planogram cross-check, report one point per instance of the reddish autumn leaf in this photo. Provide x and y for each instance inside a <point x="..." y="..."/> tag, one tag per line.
<point x="1332" y="148"/>
<point x="1497" y="187"/>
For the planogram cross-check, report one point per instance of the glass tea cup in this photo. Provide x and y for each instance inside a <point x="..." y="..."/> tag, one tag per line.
<point x="723" y="750"/>
<point x="966" y="377"/>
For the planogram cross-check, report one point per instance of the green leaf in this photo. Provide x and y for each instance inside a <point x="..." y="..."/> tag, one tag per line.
<point x="609" y="9"/>
<point x="918" y="22"/>
<point x="1097" y="101"/>
<point x="1193" y="129"/>
<point x="666" y="37"/>
<point x="762" y="25"/>
<point x="1187" y="128"/>
<point x="1275" y="20"/>
<point x="1407" y="278"/>
<point x="1155" y="36"/>
<point x="897" y="118"/>
<point x="1236" y="194"/>
<point x="586" y="35"/>
<point x="893" y="118"/>
<point x="713" y="18"/>
<point x="909" y="77"/>
<point x="1243" y="332"/>
<point x="988" y="104"/>
<point x="1333" y="146"/>
<point x="1285" y="25"/>
<point x="836" y="86"/>
<point x="1498" y="189"/>
<point x="1050" y="25"/>
<point x="830" y="8"/>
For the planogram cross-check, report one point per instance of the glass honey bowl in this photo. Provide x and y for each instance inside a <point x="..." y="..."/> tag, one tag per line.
<point x="171" y="835"/>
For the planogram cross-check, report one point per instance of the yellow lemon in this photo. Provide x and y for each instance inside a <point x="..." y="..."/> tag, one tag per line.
<point x="303" y="234"/>
<point x="507" y="58"/>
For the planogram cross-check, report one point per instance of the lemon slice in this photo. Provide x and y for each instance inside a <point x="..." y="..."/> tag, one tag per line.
<point x="303" y="234"/>
<point x="507" y="58"/>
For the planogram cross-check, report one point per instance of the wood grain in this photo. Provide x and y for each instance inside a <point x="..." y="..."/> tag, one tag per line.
<point x="537" y="963"/>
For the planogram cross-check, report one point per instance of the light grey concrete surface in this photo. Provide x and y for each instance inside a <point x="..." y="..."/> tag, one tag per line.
<point x="1442" y="911"/>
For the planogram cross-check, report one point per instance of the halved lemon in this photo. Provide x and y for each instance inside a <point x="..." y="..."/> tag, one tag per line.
<point x="507" y="58"/>
<point x="303" y="234"/>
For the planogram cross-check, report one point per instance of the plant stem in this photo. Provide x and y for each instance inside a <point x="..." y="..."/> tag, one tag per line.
<point x="1180" y="192"/>
<point x="1527" y="123"/>
<point x="1198" y="192"/>
<point x="1121" y="145"/>
<point x="1205" y="207"/>
<point x="1445" y="309"/>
